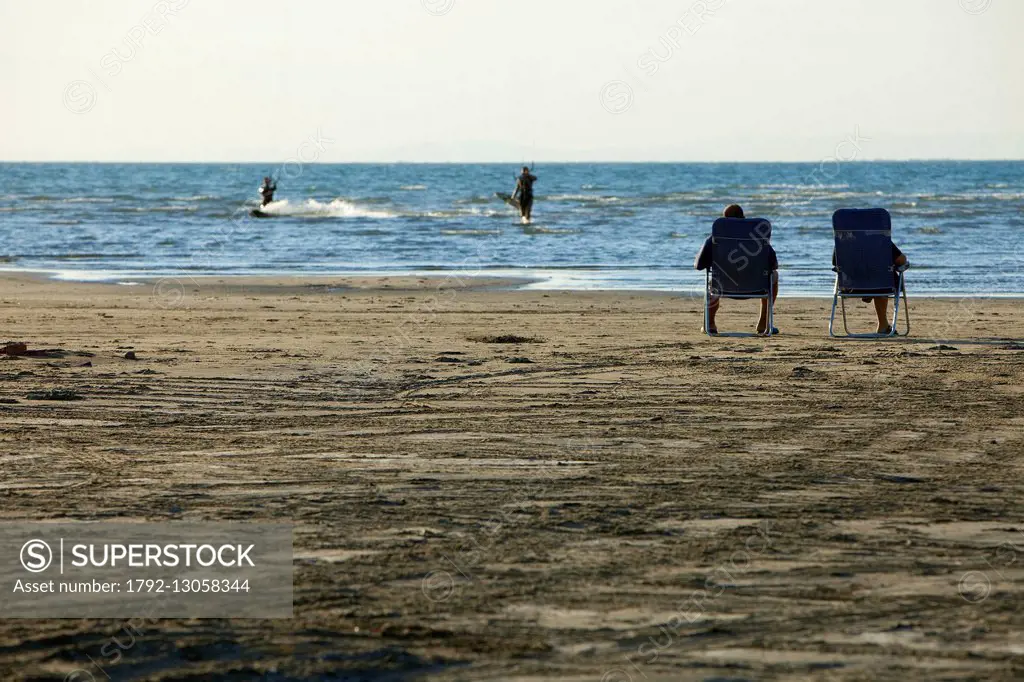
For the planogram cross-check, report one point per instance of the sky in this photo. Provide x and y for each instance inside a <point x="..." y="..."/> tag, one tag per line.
<point x="496" y="80"/>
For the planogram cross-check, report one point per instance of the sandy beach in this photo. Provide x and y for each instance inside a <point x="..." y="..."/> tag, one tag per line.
<point x="492" y="484"/>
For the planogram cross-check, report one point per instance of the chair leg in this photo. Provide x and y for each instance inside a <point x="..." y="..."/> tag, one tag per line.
<point x="707" y="305"/>
<point x="906" y="303"/>
<point x="771" y="316"/>
<point x="895" y="309"/>
<point x="895" y="315"/>
<point x="832" y="318"/>
<point x="846" y="325"/>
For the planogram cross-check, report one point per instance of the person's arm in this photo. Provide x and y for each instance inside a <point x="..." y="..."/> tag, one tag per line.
<point x="519" y="187"/>
<point x="703" y="260"/>
<point x="898" y="258"/>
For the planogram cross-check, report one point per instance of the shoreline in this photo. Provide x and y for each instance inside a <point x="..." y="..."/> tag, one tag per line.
<point x="423" y="280"/>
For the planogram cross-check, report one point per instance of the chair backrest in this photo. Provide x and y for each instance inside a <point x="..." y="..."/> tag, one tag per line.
<point x="741" y="257"/>
<point x="864" y="249"/>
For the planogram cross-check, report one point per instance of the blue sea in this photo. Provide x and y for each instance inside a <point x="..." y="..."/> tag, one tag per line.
<point x="596" y="226"/>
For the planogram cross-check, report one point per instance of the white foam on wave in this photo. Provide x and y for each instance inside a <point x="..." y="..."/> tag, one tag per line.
<point x="540" y="229"/>
<point x="414" y="188"/>
<point x="339" y="208"/>
<point x="470" y="233"/>
<point x="487" y="212"/>
<point x="462" y="213"/>
<point x="574" y="197"/>
<point x="89" y="275"/>
<point x="162" y="209"/>
<point x="786" y="186"/>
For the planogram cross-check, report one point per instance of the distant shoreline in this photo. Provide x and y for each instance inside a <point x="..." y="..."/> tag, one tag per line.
<point x="410" y="281"/>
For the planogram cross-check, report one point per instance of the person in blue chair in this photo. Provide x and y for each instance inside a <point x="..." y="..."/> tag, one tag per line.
<point x="703" y="262"/>
<point x="899" y="260"/>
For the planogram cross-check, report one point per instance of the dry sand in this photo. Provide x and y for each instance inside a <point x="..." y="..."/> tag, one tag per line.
<point x="621" y="499"/>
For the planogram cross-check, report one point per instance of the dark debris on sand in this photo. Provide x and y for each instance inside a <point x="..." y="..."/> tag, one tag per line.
<point x="507" y="338"/>
<point x="19" y="349"/>
<point x="56" y="394"/>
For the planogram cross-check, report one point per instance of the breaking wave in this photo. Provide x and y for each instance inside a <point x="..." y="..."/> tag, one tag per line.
<point x="311" y="208"/>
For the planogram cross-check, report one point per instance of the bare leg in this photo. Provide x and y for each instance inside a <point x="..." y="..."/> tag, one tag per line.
<point x="762" y="321"/>
<point x="882" y="311"/>
<point x="712" y="311"/>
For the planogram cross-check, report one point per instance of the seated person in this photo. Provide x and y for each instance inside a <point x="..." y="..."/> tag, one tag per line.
<point x="882" y="302"/>
<point x="703" y="262"/>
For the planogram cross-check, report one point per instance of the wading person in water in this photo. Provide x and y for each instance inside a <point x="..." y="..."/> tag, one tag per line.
<point x="524" y="193"/>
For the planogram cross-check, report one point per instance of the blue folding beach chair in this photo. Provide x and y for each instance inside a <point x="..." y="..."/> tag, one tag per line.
<point x="741" y="265"/>
<point x="864" y="265"/>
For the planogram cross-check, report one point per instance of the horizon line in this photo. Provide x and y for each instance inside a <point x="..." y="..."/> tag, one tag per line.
<point x="513" y="163"/>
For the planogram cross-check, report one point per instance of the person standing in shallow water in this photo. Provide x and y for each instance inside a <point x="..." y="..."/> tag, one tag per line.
<point x="703" y="262"/>
<point x="524" y="193"/>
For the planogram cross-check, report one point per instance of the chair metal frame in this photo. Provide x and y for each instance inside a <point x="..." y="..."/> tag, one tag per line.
<point x="761" y="229"/>
<point x="901" y="288"/>
<point x="742" y="297"/>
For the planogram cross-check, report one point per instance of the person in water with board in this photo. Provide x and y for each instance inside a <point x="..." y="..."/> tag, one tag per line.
<point x="524" y="193"/>
<point x="267" y="190"/>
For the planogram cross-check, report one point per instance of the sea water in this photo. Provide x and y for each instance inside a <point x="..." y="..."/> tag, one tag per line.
<point x="596" y="226"/>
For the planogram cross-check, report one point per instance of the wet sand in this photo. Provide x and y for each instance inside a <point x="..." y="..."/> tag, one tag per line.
<point x="613" y="497"/>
